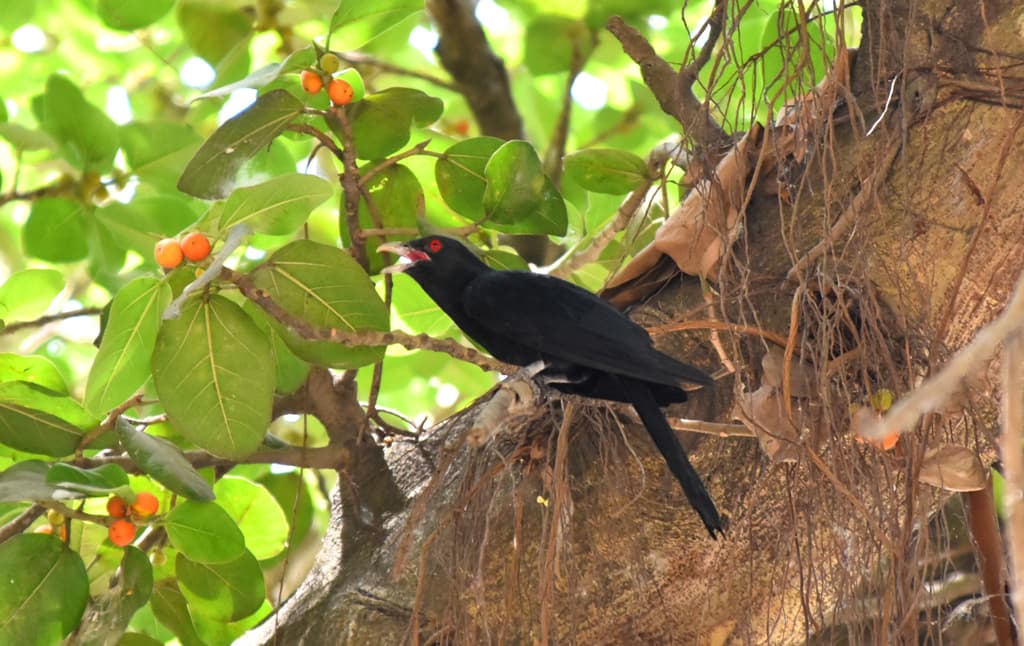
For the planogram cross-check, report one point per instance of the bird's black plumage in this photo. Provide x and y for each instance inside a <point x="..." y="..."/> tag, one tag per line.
<point x="587" y="346"/>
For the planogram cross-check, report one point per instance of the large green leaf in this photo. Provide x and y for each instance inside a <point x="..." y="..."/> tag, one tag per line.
<point x="45" y="590"/>
<point x="552" y="41"/>
<point x="204" y="532"/>
<point x="27" y="481"/>
<point x="33" y="369"/>
<point x="129" y="15"/>
<point x="171" y="609"/>
<point x="164" y="462"/>
<point x="86" y="135"/>
<point x="157" y="151"/>
<point x="605" y="170"/>
<point x="396" y="195"/>
<point x="382" y="122"/>
<point x="519" y="197"/>
<point x="220" y="33"/>
<point x="211" y="172"/>
<point x="224" y="591"/>
<point x="139" y="224"/>
<point x="55" y="230"/>
<point x="278" y="206"/>
<point x="122" y="364"/>
<point x="324" y="287"/>
<point x="100" y="481"/>
<point x="36" y="420"/>
<point x="214" y="373"/>
<point x="27" y="294"/>
<point x="259" y="516"/>
<point x="460" y="175"/>
<point x="368" y="19"/>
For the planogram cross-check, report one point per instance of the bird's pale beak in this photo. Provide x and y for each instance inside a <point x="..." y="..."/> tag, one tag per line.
<point x="407" y="257"/>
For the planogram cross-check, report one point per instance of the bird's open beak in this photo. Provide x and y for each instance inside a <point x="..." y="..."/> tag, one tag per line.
<point x="407" y="257"/>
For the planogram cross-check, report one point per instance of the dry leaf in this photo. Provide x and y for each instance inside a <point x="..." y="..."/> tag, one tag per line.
<point x="953" y="468"/>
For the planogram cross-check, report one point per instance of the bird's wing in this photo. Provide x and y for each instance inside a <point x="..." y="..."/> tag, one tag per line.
<point x="568" y="323"/>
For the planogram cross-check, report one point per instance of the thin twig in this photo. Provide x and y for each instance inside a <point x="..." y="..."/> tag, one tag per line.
<point x="1013" y="461"/>
<point x="21" y="522"/>
<point x="360" y="337"/>
<point x="358" y="58"/>
<point x="43" y="320"/>
<point x="706" y="324"/>
<point x="324" y="139"/>
<point x="391" y="161"/>
<point x="937" y="389"/>
<point x="350" y="185"/>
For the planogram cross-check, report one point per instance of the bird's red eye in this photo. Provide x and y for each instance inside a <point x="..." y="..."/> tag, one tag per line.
<point x="435" y="245"/>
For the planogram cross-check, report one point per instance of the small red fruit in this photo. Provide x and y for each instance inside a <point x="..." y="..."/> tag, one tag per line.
<point x="195" y="246"/>
<point x="122" y="532"/>
<point x="168" y="253"/>
<point x="462" y="127"/>
<point x="311" y="81"/>
<point x="117" y="508"/>
<point x="340" y="92"/>
<point x="145" y="504"/>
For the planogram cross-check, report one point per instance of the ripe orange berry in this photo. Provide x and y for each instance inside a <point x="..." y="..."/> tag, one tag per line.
<point x="195" y="246"/>
<point x="168" y="253"/>
<point x="117" y="508"/>
<point x="340" y="92"/>
<point x="311" y="81"/>
<point x="462" y="127"/>
<point x="145" y="504"/>
<point x="48" y="529"/>
<point x="122" y="532"/>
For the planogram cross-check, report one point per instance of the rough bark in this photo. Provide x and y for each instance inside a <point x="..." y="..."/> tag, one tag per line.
<point x="512" y="545"/>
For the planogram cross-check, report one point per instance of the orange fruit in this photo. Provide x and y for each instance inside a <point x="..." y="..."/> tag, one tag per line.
<point x="195" y="246"/>
<point x="311" y="81"/>
<point x="117" y="508"/>
<point x="122" y="532"/>
<point x="340" y="92"/>
<point x="145" y="504"/>
<point x="168" y="253"/>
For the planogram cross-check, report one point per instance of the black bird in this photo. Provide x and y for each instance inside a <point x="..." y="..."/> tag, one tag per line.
<point x="577" y="342"/>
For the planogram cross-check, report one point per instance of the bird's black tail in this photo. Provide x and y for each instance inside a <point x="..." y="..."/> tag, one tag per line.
<point x="639" y="394"/>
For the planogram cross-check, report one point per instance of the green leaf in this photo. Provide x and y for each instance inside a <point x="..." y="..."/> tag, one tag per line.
<point x="55" y="230"/>
<point x="86" y="135"/>
<point x="213" y="371"/>
<point x="142" y="222"/>
<point x="27" y="294"/>
<point x="217" y="32"/>
<point x="519" y="197"/>
<point x="27" y="481"/>
<point x="33" y="369"/>
<point x="460" y="175"/>
<point x="370" y="17"/>
<point x="396" y="195"/>
<point x="45" y="590"/>
<point x="297" y="60"/>
<point x="551" y="41"/>
<point x="223" y="591"/>
<point x="204" y="532"/>
<point x="278" y="206"/>
<point x="37" y="421"/>
<point x="158" y="150"/>
<point x="211" y="172"/>
<point x="262" y="521"/>
<point x="290" y="371"/>
<point x="23" y="138"/>
<point x="381" y="122"/>
<point x="129" y="15"/>
<point x="605" y="170"/>
<point x="122" y="364"/>
<point x="324" y="287"/>
<point x="171" y="609"/>
<point x="101" y="481"/>
<point x="164" y="462"/>
<point x="112" y="610"/>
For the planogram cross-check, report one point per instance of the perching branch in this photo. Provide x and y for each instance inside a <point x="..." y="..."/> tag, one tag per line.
<point x="43" y="320"/>
<point x="350" y="186"/>
<point x="360" y="337"/>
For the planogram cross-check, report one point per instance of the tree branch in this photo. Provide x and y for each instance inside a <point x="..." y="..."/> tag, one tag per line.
<point x="43" y="320"/>
<point x="479" y="74"/>
<point x="674" y="92"/>
<point x="361" y="337"/>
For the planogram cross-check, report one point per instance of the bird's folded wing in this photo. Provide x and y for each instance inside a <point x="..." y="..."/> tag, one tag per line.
<point x="566" y="322"/>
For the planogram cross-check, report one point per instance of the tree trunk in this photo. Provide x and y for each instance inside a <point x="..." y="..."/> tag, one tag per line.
<point x="567" y="528"/>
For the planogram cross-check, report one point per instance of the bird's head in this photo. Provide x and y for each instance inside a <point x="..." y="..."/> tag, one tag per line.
<point x="432" y="255"/>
